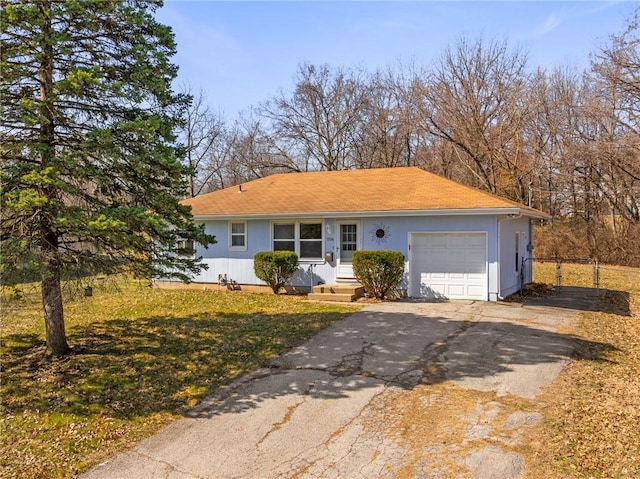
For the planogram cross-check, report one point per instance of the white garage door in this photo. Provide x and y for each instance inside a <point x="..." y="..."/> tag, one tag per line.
<point x="448" y="265"/>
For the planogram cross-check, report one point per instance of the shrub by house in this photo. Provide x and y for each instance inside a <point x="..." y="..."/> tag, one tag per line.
<point x="380" y="272"/>
<point x="275" y="267"/>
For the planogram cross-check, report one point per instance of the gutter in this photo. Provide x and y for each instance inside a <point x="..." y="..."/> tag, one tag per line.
<point x="514" y="211"/>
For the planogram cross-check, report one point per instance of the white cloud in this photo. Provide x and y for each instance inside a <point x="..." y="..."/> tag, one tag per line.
<point x="552" y="22"/>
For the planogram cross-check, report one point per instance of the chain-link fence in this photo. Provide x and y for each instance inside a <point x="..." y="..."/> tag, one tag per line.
<point x="581" y="272"/>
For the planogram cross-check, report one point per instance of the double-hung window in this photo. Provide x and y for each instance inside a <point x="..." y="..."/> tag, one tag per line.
<point x="238" y="235"/>
<point x="284" y="237"/>
<point x="302" y="237"/>
<point x="186" y="247"/>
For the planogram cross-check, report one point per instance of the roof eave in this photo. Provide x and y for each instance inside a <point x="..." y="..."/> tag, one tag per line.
<point x="515" y="210"/>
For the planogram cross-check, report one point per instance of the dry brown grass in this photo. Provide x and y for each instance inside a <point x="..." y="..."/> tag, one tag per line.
<point x="592" y="413"/>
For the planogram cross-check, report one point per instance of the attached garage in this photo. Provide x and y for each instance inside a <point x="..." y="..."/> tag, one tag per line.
<point x="448" y="265"/>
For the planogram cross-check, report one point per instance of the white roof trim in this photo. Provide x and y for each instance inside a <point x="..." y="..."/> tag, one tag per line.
<point x="368" y="214"/>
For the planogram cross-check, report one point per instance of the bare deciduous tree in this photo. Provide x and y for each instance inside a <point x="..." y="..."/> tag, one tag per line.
<point x="204" y="138"/>
<point x="387" y="135"/>
<point x="254" y="153"/>
<point x="474" y="101"/>
<point x="315" y="124"/>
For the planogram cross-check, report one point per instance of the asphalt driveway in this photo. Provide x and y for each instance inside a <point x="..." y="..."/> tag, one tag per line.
<point x="404" y="389"/>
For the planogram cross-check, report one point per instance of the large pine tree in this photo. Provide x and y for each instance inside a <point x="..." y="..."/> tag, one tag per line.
<point x="91" y="175"/>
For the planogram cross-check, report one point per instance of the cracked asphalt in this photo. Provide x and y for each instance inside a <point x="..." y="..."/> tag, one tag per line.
<point x="397" y="390"/>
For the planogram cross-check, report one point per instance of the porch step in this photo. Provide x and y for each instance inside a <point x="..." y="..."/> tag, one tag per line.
<point x="345" y="293"/>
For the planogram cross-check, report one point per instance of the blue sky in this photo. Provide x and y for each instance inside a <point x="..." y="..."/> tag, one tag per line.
<point x="241" y="53"/>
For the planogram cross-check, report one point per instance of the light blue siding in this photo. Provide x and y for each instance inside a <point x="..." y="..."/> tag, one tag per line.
<point x="510" y="278"/>
<point x="238" y="265"/>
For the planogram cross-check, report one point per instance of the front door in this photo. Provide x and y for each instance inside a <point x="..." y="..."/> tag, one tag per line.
<point x="348" y="242"/>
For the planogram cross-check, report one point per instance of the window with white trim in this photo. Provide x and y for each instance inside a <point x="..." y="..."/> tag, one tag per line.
<point x="310" y="240"/>
<point x="284" y="237"/>
<point x="302" y="237"/>
<point x="185" y="247"/>
<point x="238" y="235"/>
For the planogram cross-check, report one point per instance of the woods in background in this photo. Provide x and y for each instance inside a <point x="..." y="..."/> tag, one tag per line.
<point x="565" y="142"/>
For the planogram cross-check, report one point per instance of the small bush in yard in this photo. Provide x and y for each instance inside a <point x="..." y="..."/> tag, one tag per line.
<point x="275" y="267"/>
<point x="380" y="272"/>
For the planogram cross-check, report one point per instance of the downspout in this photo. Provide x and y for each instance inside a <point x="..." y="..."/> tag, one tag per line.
<point x="500" y="220"/>
<point x="530" y="251"/>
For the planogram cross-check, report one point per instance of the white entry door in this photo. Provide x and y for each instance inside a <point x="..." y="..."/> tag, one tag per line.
<point x="449" y="265"/>
<point x="349" y="241"/>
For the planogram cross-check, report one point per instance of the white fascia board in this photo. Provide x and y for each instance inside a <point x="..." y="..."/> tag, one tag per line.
<point x="369" y="214"/>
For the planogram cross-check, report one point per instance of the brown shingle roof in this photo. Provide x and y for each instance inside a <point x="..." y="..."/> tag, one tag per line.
<point x="390" y="190"/>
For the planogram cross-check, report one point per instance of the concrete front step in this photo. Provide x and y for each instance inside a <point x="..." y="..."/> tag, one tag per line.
<point x="340" y="298"/>
<point x="337" y="292"/>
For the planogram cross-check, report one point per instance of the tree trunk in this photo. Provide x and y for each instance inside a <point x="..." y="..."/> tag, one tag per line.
<point x="52" y="305"/>
<point x="48" y="239"/>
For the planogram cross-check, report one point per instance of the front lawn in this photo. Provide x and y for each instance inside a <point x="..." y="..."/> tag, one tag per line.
<point x="142" y="357"/>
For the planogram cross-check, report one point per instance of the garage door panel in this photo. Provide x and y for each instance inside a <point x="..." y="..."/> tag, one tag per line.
<point x="475" y="269"/>
<point x="477" y="291"/>
<point x="456" y="242"/>
<point x="437" y="267"/>
<point x="433" y="292"/>
<point x="456" y="290"/>
<point x="438" y="288"/>
<point x="438" y="241"/>
<point x="451" y="265"/>
<point x="477" y="241"/>
<point x="478" y="272"/>
<point x="455" y="267"/>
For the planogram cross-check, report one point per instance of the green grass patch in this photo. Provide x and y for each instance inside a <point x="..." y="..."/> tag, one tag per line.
<point x="592" y="418"/>
<point x="142" y="357"/>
